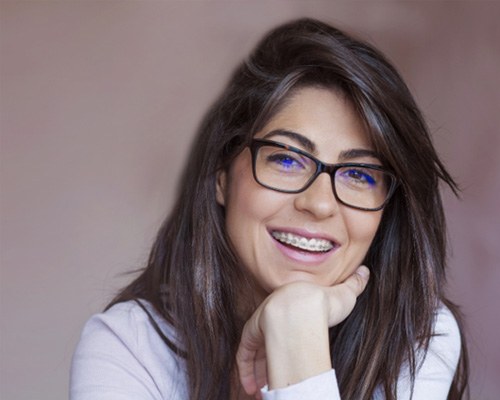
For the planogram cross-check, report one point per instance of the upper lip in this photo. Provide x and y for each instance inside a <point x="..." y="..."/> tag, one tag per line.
<point x="309" y="234"/>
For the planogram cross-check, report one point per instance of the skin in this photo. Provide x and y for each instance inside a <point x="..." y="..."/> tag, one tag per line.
<point x="300" y="294"/>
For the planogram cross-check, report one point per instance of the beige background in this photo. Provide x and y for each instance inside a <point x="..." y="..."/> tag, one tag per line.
<point x="99" y="102"/>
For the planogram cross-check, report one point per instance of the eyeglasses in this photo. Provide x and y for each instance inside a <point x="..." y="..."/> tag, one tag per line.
<point x="287" y="169"/>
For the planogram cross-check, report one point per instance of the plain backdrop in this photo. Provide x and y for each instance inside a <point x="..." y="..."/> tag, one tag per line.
<point x="99" y="103"/>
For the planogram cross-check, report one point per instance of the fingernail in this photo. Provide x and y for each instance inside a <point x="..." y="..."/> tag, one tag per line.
<point x="363" y="272"/>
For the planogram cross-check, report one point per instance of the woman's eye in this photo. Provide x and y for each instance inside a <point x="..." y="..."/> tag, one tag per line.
<point x="360" y="176"/>
<point x="285" y="161"/>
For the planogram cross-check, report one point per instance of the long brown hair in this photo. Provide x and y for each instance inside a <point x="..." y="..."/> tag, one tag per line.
<point x="193" y="277"/>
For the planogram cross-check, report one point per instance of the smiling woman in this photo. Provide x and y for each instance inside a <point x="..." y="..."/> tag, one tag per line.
<point x="305" y="255"/>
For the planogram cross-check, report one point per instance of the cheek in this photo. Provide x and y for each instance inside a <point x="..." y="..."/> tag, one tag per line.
<point x="248" y="205"/>
<point x="242" y="196"/>
<point x="246" y="200"/>
<point x="362" y="227"/>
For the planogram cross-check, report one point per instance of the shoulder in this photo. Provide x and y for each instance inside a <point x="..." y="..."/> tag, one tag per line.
<point x="436" y="366"/>
<point x="445" y="344"/>
<point x="442" y="355"/>
<point x="446" y="340"/>
<point x="131" y="321"/>
<point x="120" y="350"/>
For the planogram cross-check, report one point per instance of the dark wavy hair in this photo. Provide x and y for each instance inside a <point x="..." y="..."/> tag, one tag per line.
<point x="193" y="276"/>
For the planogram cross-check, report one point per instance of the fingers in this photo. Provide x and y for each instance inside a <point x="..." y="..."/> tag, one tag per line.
<point x="250" y="356"/>
<point x="358" y="281"/>
<point x="252" y="371"/>
<point x="342" y="297"/>
<point x="260" y="369"/>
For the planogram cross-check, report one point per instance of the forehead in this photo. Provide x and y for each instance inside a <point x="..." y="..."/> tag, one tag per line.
<point x="325" y="117"/>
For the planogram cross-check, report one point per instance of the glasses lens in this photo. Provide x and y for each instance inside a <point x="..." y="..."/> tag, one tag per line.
<point x="283" y="169"/>
<point x="362" y="187"/>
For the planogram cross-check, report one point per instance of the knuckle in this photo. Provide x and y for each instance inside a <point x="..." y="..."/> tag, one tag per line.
<point x="356" y="285"/>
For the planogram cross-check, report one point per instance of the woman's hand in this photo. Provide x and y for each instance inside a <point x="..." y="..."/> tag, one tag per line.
<point x="286" y="339"/>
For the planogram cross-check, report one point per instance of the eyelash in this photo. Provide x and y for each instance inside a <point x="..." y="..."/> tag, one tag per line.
<point x="362" y="177"/>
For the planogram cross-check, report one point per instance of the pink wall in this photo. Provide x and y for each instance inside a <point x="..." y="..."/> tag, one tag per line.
<point x="99" y="101"/>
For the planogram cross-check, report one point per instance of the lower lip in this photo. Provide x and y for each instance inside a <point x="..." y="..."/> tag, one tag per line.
<point x="304" y="257"/>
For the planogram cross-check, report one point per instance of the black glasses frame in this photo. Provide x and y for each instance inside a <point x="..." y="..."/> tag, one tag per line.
<point x="321" y="167"/>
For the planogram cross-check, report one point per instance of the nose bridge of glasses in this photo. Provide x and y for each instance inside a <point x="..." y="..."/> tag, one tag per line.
<point x="329" y="169"/>
<point x="321" y="169"/>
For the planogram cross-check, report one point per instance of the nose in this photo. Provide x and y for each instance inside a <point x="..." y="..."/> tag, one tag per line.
<point x="318" y="199"/>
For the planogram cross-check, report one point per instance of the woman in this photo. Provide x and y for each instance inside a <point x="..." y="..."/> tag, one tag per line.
<point x="305" y="255"/>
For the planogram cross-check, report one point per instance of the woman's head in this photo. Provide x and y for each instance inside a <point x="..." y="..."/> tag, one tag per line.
<point x="310" y="54"/>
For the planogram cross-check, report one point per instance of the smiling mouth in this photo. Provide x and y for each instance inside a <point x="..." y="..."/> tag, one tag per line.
<point x="300" y="242"/>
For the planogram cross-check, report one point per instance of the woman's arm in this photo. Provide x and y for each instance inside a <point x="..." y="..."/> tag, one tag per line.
<point x="433" y="378"/>
<point x="292" y="326"/>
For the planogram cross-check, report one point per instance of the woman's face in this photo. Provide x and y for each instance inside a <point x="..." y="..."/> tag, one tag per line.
<point x="257" y="217"/>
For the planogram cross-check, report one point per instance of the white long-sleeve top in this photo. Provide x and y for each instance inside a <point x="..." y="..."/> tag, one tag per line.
<point x="120" y="356"/>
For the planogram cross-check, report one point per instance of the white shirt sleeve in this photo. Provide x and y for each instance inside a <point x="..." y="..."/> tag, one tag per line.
<point x="320" y="387"/>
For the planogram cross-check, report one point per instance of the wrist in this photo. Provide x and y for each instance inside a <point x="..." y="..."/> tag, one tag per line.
<point x="296" y="340"/>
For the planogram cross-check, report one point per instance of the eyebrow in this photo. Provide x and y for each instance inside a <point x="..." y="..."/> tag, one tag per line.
<point x="297" y="137"/>
<point x="358" y="153"/>
<point x="311" y="147"/>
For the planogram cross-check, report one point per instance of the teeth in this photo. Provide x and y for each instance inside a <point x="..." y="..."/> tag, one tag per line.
<point x="302" y="242"/>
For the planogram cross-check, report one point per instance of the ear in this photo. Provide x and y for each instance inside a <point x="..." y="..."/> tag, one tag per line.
<point x="220" y="187"/>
